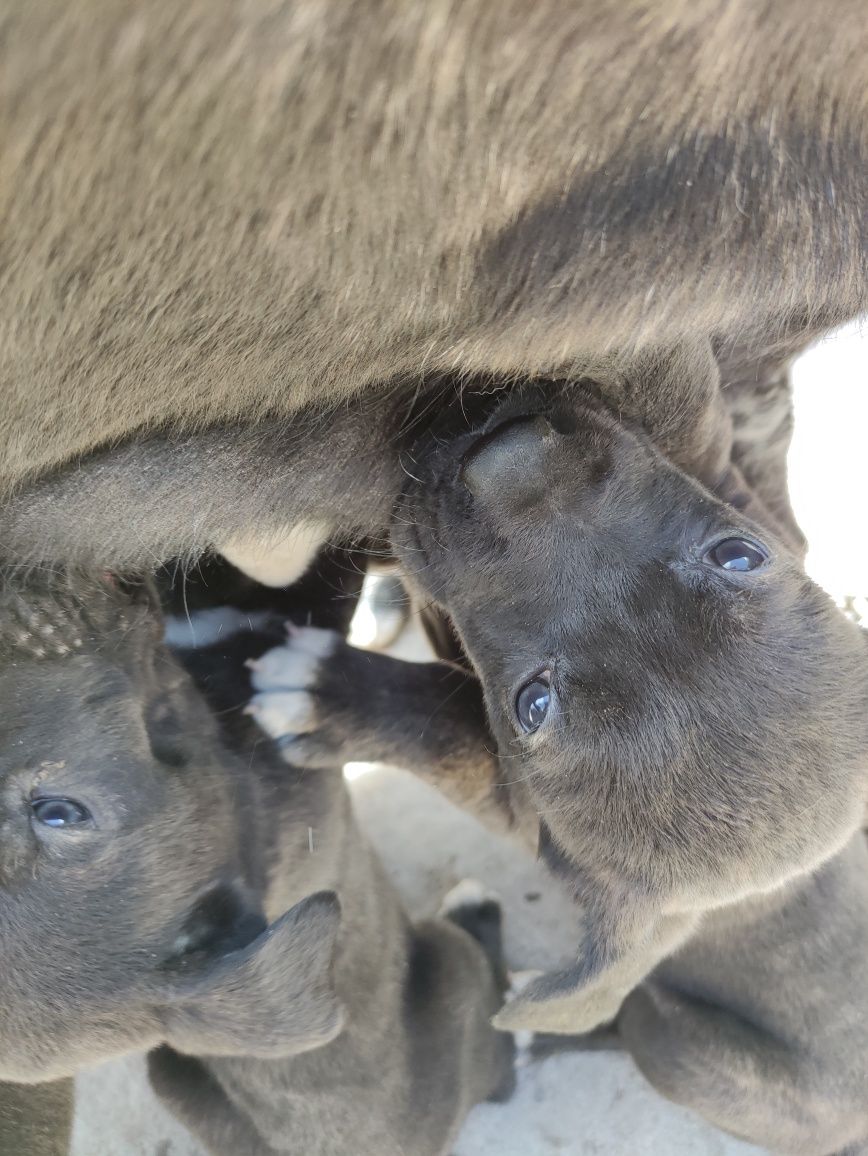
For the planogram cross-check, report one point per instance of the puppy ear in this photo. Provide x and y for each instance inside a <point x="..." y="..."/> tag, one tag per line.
<point x="734" y="489"/>
<point x="674" y="393"/>
<point x="273" y="998"/>
<point x="169" y="738"/>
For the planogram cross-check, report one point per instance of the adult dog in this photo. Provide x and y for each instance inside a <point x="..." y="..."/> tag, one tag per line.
<point x="216" y="214"/>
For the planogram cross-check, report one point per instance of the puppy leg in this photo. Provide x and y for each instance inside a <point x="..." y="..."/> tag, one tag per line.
<point x="36" y="1119"/>
<point x="620" y="949"/>
<point x="470" y="906"/>
<point x="457" y="980"/>
<point x="195" y="1098"/>
<point x="734" y="1074"/>
<point x="328" y="703"/>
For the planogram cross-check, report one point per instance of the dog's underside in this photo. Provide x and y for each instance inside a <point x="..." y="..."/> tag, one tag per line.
<point x="215" y="216"/>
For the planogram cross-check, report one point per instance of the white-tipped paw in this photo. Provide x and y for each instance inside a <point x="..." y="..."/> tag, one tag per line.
<point x="284" y="714"/>
<point x="294" y="665"/>
<point x="283" y="677"/>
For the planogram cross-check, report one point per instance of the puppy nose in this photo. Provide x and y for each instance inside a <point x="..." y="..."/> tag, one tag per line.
<point x="510" y="460"/>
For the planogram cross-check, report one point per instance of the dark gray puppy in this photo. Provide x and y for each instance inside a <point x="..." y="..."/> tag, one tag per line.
<point x="166" y="880"/>
<point x="678" y="715"/>
<point x="132" y="904"/>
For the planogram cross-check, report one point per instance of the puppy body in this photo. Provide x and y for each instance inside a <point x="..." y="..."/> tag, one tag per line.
<point x="756" y="1016"/>
<point x="759" y="1021"/>
<point x="199" y="895"/>
<point x="699" y="780"/>
<point x="417" y="1050"/>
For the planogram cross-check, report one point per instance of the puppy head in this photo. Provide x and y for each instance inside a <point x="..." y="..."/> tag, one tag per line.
<point x="673" y="700"/>
<point x="129" y="907"/>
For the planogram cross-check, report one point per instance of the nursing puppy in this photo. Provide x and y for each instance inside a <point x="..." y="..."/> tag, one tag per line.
<point x="132" y="908"/>
<point x="337" y="479"/>
<point x="673" y="711"/>
<point x="166" y="881"/>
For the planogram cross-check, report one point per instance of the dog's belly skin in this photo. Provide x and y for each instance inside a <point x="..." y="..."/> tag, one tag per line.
<point x="280" y="560"/>
<point x="214" y="213"/>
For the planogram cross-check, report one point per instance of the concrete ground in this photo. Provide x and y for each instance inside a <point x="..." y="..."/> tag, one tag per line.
<point x="580" y="1104"/>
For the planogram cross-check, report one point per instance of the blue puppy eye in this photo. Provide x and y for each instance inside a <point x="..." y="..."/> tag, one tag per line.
<point x="532" y="704"/>
<point x="737" y="554"/>
<point x="59" y="812"/>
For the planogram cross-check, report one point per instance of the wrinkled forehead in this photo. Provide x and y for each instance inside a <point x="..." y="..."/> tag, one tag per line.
<point x="613" y="523"/>
<point x="67" y="704"/>
<point x="604" y="457"/>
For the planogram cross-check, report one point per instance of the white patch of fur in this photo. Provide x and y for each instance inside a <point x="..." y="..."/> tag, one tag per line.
<point x="518" y="981"/>
<point x="283" y="706"/>
<point x="467" y="893"/>
<point x="285" y="712"/>
<point x="205" y="627"/>
<point x="294" y="666"/>
<point x="277" y="561"/>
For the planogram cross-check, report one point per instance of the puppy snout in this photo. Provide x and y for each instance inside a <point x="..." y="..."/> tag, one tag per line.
<point x="509" y="461"/>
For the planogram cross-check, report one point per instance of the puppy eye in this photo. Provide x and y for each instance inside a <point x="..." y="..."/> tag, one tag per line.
<point x="737" y="554"/>
<point x="59" y="813"/>
<point x="532" y="703"/>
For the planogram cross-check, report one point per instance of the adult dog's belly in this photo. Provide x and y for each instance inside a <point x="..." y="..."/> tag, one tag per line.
<point x="214" y="212"/>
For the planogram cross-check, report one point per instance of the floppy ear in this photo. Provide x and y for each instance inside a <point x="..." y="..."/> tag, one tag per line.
<point x="734" y="489"/>
<point x="674" y="393"/>
<point x="273" y="998"/>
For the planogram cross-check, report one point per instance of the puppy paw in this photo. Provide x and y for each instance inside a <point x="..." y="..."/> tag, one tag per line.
<point x="326" y="703"/>
<point x="533" y="1010"/>
<point x="286" y="681"/>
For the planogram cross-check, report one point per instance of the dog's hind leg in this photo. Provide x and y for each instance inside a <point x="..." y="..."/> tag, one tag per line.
<point x="269" y="495"/>
<point x="734" y="1074"/>
<point x="195" y="1098"/>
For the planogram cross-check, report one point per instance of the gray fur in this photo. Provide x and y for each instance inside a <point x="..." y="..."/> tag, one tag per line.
<point x="133" y="507"/>
<point x="215" y="215"/>
<point x="219" y="904"/>
<point x="36" y="1121"/>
